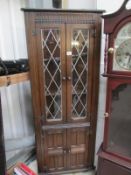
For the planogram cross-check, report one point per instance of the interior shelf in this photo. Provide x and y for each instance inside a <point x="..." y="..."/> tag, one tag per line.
<point x="7" y="80"/>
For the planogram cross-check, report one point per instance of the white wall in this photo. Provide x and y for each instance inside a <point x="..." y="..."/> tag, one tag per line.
<point x="12" y="33"/>
<point x="38" y="3"/>
<point x="109" y="6"/>
<point x="82" y="4"/>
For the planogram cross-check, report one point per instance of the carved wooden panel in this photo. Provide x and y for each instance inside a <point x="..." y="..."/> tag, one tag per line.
<point x="78" y="147"/>
<point x="55" y="149"/>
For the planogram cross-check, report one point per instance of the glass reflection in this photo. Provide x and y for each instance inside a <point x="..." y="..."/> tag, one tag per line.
<point x="119" y="138"/>
<point x="80" y="45"/>
<point x="52" y="73"/>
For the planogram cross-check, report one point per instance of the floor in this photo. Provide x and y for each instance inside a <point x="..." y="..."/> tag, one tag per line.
<point x="86" y="173"/>
<point x="33" y="166"/>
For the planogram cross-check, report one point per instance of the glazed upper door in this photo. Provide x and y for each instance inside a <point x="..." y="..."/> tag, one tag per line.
<point x="79" y="67"/>
<point x="52" y="72"/>
<point x="117" y="134"/>
<point x="65" y="82"/>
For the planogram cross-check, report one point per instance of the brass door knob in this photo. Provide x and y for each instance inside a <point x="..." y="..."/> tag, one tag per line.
<point x="106" y="115"/>
<point x="63" y="78"/>
<point x="69" y="78"/>
<point x="111" y="50"/>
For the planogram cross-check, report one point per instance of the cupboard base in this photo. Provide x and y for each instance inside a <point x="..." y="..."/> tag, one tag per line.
<point x="68" y="171"/>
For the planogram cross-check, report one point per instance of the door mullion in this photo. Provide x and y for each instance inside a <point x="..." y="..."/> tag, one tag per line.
<point x="68" y="73"/>
<point x="63" y="72"/>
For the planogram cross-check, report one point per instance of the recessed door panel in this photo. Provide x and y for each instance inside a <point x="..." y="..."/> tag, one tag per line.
<point x="78" y="147"/>
<point x="54" y="144"/>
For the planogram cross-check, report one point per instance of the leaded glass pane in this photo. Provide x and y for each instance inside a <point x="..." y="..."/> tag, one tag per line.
<point x="52" y="73"/>
<point x="80" y="45"/>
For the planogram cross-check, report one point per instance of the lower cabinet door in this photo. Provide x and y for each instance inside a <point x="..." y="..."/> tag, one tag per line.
<point x="54" y="155"/>
<point x="65" y="149"/>
<point x="77" y="143"/>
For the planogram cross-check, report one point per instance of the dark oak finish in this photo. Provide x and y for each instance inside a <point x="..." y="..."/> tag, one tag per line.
<point x="64" y="57"/>
<point x="115" y="153"/>
<point x="63" y="10"/>
<point x="2" y="146"/>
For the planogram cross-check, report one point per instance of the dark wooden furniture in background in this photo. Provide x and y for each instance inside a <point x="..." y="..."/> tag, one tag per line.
<point x="115" y="153"/>
<point x="64" y="57"/>
<point x="6" y="81"/>
<point x="2" y="146"/>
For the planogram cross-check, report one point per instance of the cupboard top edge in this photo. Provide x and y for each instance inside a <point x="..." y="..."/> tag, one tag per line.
<point x="62" y="10"/>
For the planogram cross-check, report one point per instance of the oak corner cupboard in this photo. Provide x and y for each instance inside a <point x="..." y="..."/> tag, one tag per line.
<point x="64" y="56"/>
<point x="115" y="153"/>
